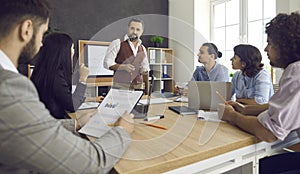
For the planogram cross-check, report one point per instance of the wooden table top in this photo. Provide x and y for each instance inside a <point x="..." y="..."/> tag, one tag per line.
<point x="186" y="141"/>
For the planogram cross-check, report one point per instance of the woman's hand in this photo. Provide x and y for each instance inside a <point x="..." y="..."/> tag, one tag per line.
<point x="83" y="73"/>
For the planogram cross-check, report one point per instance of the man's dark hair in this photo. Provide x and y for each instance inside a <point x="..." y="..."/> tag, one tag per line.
<point x="213" y="49"/>
<point x="136" y="20"/>
<point x="14" y="12"/>
<point x="284" y="33"/>
<point x="251" y="56"/>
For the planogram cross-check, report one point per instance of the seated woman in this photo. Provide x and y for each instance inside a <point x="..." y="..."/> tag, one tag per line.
<point x="52" y="76"/>
<point x="252" y="84"/>
<point x="211" y="70"/>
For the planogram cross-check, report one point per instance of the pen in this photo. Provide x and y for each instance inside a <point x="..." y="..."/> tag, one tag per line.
<point x="221" y="97"/>
<point x="111" y="125"/>
<point x="157" y="117"/>
<point x="156" y="126"/>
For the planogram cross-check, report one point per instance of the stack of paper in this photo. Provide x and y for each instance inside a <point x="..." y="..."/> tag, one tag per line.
<point x="208" y="116"/>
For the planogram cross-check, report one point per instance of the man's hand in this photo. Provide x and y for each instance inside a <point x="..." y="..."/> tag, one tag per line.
<point x="127" y="67"/>
<point x="143" y="71"/>
<point x="126" y="122"/>
<point x="94" y="99"/>
<point x="176" y="90"/>
<point x="83" y="117"/>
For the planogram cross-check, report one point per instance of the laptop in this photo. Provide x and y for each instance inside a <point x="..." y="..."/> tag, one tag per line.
<point x="202" y="94"/>
<point x="140" y="111"/>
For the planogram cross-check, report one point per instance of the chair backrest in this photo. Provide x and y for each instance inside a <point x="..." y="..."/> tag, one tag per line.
<point x="146" y="82"/>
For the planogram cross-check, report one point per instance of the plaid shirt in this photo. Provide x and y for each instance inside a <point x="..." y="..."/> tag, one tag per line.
<point x="32" y="141"/>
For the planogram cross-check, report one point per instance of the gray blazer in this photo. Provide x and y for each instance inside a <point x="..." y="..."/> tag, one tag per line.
<point x="32" y="141"/>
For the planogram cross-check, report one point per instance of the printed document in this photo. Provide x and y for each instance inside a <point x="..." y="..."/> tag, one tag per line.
<point x="113" y="106"/>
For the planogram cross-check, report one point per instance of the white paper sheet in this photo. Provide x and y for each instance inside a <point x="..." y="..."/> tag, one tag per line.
<point x="96" y="54"/>
<point x="89" y="105"/>
<point x="111" y="108"/>
<point x="209" y="116"/>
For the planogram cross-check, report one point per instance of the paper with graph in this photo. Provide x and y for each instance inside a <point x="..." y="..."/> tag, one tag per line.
<point x="112" y="107"/>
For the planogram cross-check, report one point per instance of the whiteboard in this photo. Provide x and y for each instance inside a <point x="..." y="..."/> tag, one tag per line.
<point x="95" y="55"/>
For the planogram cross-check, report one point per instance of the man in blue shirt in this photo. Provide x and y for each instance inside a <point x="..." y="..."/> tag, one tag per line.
<point x="211" y="70"/>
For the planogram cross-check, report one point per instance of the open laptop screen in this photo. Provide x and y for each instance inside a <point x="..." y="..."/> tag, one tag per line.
<point x="202" y="94"/>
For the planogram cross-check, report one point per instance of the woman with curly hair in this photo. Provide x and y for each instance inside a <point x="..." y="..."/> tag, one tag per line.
<point x="281" y="116"/>
<point x="252" y="84"/>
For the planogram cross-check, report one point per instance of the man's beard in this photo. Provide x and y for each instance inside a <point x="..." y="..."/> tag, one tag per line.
<point x="28" y="52"/>
<point x="133" y="37"/>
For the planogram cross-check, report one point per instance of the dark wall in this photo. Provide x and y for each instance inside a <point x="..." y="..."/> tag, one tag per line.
<point x="106" y="20"/>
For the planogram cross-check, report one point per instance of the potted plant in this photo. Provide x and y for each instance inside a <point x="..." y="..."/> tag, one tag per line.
<point x="156" y="40"/>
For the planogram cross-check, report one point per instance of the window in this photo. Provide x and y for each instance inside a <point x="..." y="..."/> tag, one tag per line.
<point x="240" y="21"/>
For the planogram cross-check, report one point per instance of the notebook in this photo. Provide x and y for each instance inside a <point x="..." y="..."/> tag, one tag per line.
<point x="202" y="94"/>
<point x="183" y="110"/>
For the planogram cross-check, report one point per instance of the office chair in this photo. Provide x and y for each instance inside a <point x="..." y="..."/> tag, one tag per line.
<point x="146" y="84"/>
<point x="285" y="163"/>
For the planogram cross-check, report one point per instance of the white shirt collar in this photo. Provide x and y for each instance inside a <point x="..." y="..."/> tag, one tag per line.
<point x="127" y="38"/>
<point x="6" y="63"/>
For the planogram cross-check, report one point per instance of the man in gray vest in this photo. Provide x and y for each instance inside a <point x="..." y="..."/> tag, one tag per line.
<point x="128" y="58"/>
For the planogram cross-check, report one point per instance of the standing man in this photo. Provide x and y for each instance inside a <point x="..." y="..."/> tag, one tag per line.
<point x="281" y="116"/>
<point x="128" y="58"/>
<point x="31" y="140"/>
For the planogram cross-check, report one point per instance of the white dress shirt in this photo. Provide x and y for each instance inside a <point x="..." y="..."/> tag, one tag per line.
<point x="114" y="49"/>
<point x="6" y="63"/>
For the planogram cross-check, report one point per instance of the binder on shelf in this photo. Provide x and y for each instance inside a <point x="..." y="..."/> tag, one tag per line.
<point x="163" y="57"/>
<point x="158" y="56"/>
<point x="162" y="88"/>
<point x="165" y="71"/>
<point x="152" y="56"/>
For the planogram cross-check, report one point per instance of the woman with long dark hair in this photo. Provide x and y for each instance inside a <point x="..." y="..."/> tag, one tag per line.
<point x="252" y="84"/>
<point x="52" y="76"/>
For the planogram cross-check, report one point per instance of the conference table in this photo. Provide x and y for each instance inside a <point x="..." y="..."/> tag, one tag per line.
<point x="189" y="145"/>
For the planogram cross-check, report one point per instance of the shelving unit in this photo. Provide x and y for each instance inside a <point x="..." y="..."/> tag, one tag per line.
<point x="161" y="62"/>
